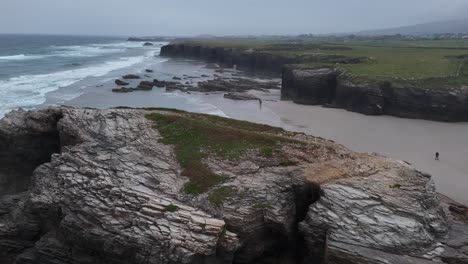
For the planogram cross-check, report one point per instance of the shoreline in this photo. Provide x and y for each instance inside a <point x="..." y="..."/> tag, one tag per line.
<point x="411" y="140"/>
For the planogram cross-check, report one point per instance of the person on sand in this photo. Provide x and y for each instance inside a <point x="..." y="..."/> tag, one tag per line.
<point x="260" y="102"/>
<point x="437" y="156"/>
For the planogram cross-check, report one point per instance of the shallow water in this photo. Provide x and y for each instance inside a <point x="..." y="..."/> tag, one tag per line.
<point x="33" y="65"/>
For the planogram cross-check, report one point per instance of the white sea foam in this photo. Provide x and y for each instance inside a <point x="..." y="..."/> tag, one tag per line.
<point x="83" y="51"/>
<point x="30" y="90"/>
<point x="21" y="57"/>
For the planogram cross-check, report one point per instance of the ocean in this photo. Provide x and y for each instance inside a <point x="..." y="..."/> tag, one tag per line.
<point x="31" y="66"/>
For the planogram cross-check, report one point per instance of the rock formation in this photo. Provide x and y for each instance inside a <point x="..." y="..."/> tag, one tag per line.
<point x="243" y="59"/>
<point x="166" y="186"/>
<point x="121" y="83"/>
<point x="130" y="76"/>
<point x="331" y="88"/>
<point x="241" y="96"/>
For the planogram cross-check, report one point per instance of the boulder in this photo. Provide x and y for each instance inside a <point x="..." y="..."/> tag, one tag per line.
<point x="146" y="44"/>
<point x="130" y="76"/>
<point x="123" y="90"/>
<point x="145" y="85"/>
<point x="149" y="71"/>
<point x="121" y="83"/>
<point x="241" y="96"/>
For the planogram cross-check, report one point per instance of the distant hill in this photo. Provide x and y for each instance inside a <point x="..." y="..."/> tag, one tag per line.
<point x="440" y="27"/>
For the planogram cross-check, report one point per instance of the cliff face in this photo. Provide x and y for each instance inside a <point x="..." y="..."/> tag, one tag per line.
<point x="331" y="87"/>
<point x="157" y="186"/>
<point x="243" y="59"/>
<point x="374" y="98"/>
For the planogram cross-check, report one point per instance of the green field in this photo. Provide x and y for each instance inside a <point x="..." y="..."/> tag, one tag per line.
<point x="419" y="62"/>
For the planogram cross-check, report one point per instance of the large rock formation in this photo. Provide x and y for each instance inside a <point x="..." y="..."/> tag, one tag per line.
<point x="330" y="87"/>
<point x="244" y="59"/>
<point x="311" y="87"/>
<point x="327" y="86"/>
<point x="159" y="186"/>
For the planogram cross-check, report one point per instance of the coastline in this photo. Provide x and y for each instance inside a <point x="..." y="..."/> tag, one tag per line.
<point x="411" y="140"/>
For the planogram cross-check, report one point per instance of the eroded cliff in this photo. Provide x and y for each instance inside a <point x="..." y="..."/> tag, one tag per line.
<point x="332" y="88"/>
<point x="247" y="59"/>
<point x="165" y="186"/>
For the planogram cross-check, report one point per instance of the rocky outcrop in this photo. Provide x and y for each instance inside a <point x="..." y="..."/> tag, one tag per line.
<point x="244" y="59"/>
<point x="360" y="215"/>
<point x="328" y="87"/>
<point x="311" y="87"/>
<point x="143" y="86"/>
<point x="241" y="96"/>
<point x="130" y="76"/>
<point x="121" y="83"/>
<point x="116" y="191"/>
<point x="25" y="143"/>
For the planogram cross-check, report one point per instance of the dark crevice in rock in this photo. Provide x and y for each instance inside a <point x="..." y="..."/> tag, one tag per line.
<point x="305" y="195"/>
<point x="22" y="151"/>
<point x="273" y="244"/>
<point x="21" y="154"/>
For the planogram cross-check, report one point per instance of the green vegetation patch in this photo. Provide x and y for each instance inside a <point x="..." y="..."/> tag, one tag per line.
<point x="171" y="208"/>
<point x="196" y="136"/>
<point x="219" y="195"/>
<point x="263" y="206"/>
<point x="152" y="109"/>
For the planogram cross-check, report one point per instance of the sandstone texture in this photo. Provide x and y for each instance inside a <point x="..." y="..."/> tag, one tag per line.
<point x="108" y="188"/>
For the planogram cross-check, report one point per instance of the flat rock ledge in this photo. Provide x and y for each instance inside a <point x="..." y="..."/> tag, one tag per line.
<point x="107" y="188"/>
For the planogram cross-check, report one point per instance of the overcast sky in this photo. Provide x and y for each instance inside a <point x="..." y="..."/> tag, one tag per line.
<point x="218" y="17"/>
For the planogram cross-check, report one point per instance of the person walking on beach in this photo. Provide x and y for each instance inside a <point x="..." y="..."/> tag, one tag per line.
<point x="437" y="156"/>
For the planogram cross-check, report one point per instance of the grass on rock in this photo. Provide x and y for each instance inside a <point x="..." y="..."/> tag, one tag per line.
<point x="263" y="206"/>
<point x="171" y="208"/>
<point x="197" y="136"/>
<point x="219" y="195"/>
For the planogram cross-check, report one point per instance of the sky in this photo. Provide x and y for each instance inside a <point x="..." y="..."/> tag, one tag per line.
<point x="219" y="17"/>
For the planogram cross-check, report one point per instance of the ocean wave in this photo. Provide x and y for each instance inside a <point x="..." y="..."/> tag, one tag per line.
<point x="21" y="57"/>
<point x="92" y="50"/>
<point x="83" y="51"/>
<point x="126" y="44"/>
<point x="30" y="90"/>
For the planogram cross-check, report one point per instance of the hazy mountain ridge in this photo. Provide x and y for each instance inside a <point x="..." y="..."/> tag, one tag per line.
<point x="439" y="27"/>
